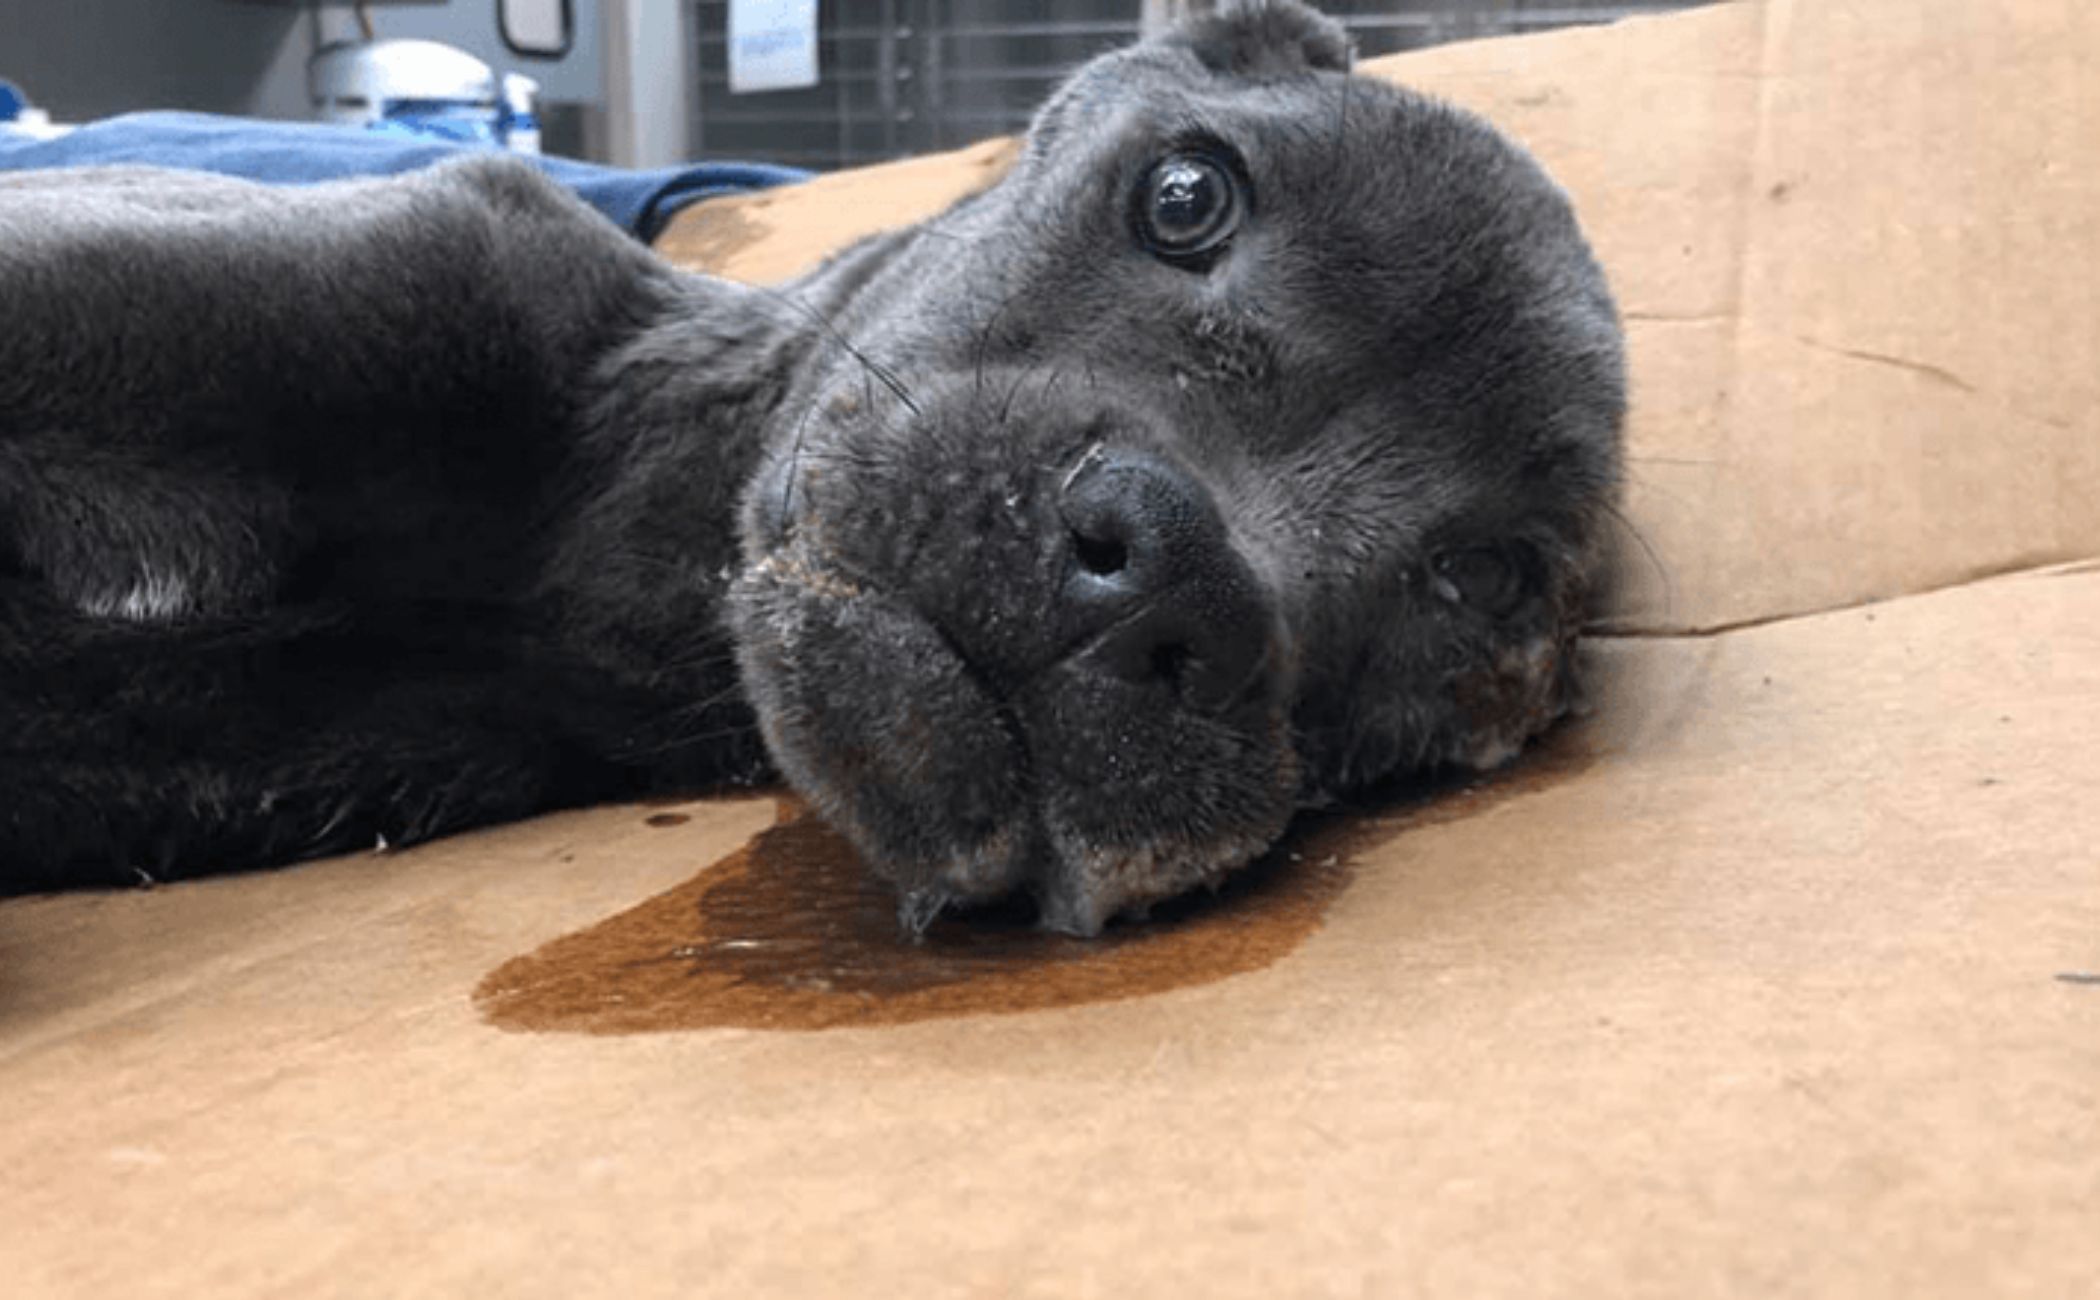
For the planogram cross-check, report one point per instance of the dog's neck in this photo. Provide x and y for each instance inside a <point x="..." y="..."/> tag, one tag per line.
<point x="678" y="423"/>
<point x="682" y="410"/>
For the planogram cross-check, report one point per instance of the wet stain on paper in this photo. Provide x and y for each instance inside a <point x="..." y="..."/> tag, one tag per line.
<point x="792" y="932"/>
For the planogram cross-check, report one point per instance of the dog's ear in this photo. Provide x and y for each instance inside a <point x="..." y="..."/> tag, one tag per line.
<point x="1264" y="39"/>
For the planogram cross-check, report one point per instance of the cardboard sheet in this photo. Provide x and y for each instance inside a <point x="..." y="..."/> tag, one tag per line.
<point x="1780" y="982"/>
<point x="1778" y="975"/>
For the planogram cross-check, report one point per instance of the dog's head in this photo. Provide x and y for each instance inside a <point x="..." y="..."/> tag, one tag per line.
<point x="1249" y="442"/>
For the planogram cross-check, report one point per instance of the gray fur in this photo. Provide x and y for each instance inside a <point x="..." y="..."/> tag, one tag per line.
<point x="1407" y="351"/>
<point x="1405" y="359"/>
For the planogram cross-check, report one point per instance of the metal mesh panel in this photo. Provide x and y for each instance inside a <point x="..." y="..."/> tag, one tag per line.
<point x="904" y="77"/>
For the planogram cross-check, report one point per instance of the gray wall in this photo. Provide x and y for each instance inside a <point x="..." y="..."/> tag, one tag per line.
<point x="90" y="58"/>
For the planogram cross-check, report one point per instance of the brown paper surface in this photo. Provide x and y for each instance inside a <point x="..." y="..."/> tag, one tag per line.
<point x="1780" y="974"/>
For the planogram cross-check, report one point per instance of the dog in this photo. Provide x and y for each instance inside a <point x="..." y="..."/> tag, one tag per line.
<point x="1249" y="444"/>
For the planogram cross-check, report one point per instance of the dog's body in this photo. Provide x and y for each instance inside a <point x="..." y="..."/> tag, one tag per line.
<point x="313" y="539"/>
<point x="1247" y="444"/>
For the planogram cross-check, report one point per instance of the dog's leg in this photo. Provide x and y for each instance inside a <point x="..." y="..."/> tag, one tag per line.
<point x="72" y="824"/>
<point x="153" y="816"/>
<point x="118" y="533"/>
<point x="139" y="752"/>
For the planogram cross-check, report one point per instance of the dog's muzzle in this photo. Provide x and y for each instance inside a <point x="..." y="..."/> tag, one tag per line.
<point x="1002" y="667"/>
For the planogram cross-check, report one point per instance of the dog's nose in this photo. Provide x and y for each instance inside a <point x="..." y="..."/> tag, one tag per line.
<point x="1154" y="580"/>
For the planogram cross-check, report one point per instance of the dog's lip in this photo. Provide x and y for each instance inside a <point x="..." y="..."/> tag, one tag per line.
<point x="973" y="877"/>
<point x="798" y="565"/>
<point x="1028" y="861"/>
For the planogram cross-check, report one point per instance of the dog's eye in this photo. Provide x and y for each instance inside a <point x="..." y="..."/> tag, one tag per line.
<point x="1188" y="206"/>
<point x="1489" y="578"/>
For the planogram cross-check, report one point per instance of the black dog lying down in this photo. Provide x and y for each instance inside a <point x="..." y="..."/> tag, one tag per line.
<point x="1248" y="443"/>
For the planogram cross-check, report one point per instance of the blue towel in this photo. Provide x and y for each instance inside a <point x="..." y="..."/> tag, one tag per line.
<point x="297" y="152"/>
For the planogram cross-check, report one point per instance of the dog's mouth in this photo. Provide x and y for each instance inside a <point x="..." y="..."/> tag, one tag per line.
<point x="1139" y="753"/>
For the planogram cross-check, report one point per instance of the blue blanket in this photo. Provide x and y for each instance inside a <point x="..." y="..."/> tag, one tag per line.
<point x="296" y="152"/>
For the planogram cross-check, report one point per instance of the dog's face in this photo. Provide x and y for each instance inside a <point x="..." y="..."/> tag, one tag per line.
<point x="1248" y="443"/>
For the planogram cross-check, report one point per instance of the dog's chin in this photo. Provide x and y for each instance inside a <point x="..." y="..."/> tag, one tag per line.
<point x="1092" y="796"/>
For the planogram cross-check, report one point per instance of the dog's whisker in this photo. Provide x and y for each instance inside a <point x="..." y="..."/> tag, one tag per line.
<point x="1013" y="392"/>
<point x="1647" y="550"/>
<point x="984" y="338"/>
<point x="706" y="660"/>
<point x="741" y="731"/>
<point x="794" y="470"/>
<point x="1056" y="373"/>
<point x="860" y="460"/>
<point x="831" y="332"/>
<point x="1341" y="123"/>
